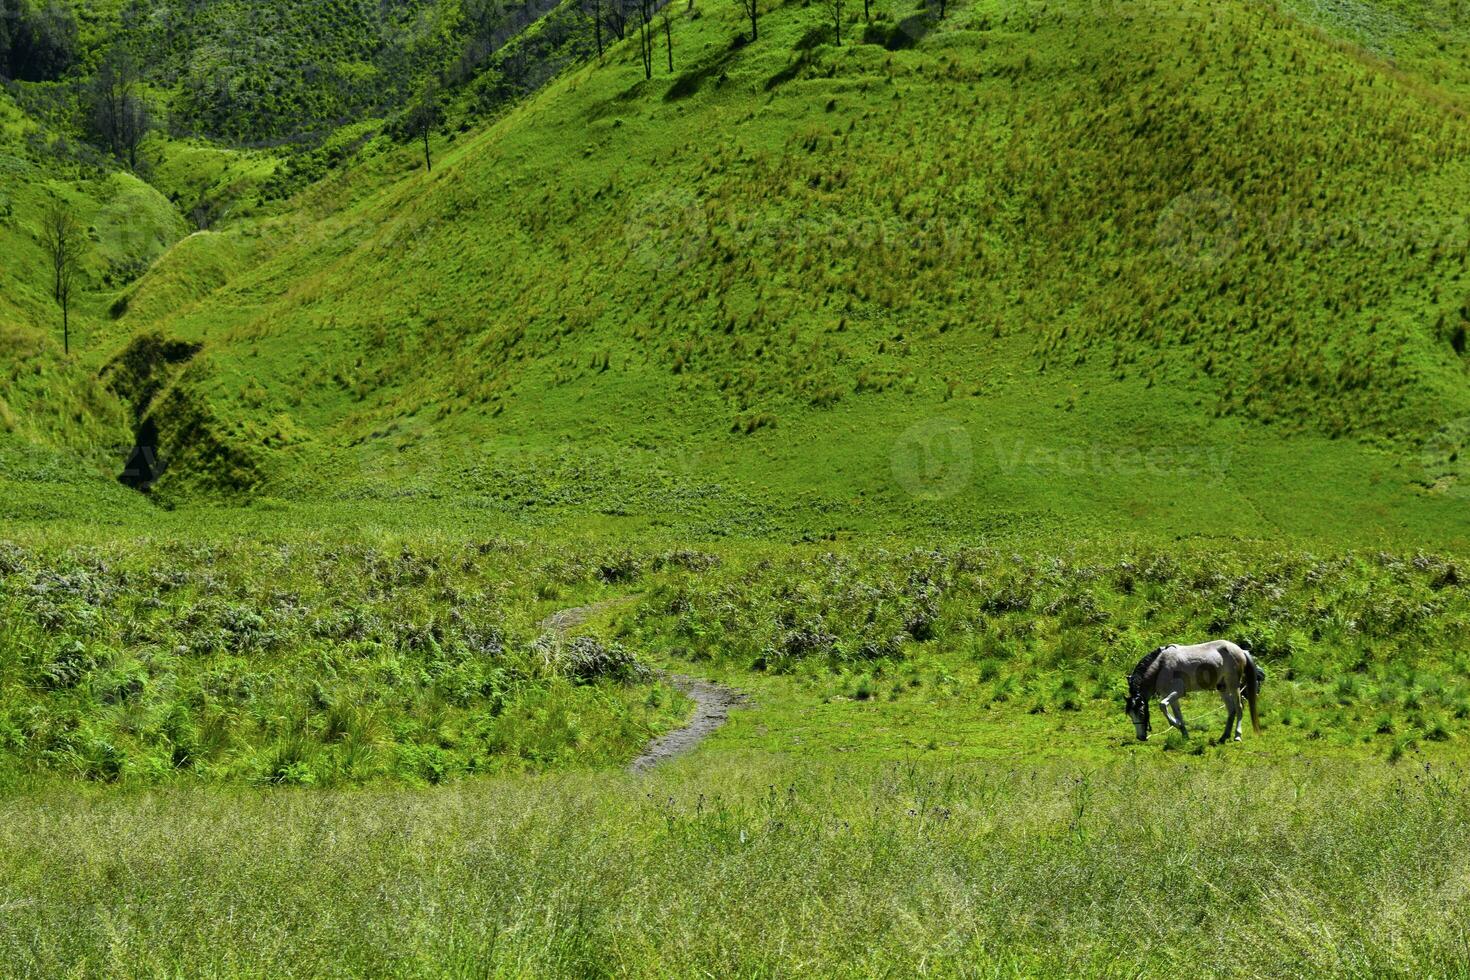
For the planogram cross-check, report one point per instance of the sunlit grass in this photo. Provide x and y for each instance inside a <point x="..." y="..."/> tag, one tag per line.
<point x="754" y="865"/>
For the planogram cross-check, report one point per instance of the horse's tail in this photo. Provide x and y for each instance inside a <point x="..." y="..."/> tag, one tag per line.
<point x="1252" y="689"/>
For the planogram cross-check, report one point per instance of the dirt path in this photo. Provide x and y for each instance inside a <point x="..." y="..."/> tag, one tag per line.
<point x="569" y="619"/>
<point x="712" y="701"/>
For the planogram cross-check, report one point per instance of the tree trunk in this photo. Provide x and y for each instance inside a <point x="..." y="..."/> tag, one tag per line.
<point x="428" y="161"/>
<point x="646" y="36"/>
<point x="65" y="329"/>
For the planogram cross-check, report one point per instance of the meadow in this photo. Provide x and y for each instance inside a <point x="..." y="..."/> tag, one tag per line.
<point x="752" y="864"/>
<point x="307" y="662"/>
<point x="324" y="661"/>
<point x="931" y="774"/>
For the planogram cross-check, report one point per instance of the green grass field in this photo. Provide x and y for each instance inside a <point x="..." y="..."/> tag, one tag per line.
<point x="267" y="758"/>
<point x="758" y="865"/>
<point x="914" y="386"/>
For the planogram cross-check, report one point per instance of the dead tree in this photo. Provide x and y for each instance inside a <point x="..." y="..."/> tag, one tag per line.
<point x="594" y="9"/>
<point x="646" y="36"/>
<point x="617" y="17"/>
<point x="121" y="117"/>
<point x="752" y="10"/>
<point x="668" y="22"/>
<point x="61" y="237"/>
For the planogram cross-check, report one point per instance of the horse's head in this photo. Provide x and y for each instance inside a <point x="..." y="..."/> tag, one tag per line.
<point x="1136" y="707"/>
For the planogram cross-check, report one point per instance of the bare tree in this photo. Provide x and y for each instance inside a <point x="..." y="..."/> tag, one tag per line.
<point x="423" y="117"/>
<point x="61" y="237"/>
<point x="121" y="117"/>
<point x="646" y="36"/>
<point x="594" y="9"/>
<point x="617" y="17"/>
<point x="836" y="7"/>
<point x="752" y="10"/>
<point x="668" y="22"/>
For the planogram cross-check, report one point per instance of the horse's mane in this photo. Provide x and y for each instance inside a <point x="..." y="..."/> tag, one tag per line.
<point x="1146" y="671"/>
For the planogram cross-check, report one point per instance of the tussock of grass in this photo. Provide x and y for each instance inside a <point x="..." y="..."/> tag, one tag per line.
<point x="305" y="663"/>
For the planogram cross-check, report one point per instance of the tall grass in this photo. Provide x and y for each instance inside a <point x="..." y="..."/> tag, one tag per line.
<point x="325" y="662"/>
<point x="750" y="866"/>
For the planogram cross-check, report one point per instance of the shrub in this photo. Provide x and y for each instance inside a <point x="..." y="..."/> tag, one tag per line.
<point x="588" y="660"/>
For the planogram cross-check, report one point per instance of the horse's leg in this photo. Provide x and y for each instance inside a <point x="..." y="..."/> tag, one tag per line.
<point x="1165" y="703"/>
<point x="1172" y="701"/>
<point x="1232" y="713"/>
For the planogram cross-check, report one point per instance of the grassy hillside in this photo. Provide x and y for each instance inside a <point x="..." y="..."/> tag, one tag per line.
<point x="217" y="77"/>
<point x="1024" y="267"/>
<point x="52" y="410"/>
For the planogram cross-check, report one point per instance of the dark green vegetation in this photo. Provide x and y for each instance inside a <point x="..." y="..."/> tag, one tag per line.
<point x="915" y="384"/>
<point x="307" y="663"/>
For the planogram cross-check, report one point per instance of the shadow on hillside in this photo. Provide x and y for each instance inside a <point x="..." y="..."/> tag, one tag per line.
<point x="712" y="66"/>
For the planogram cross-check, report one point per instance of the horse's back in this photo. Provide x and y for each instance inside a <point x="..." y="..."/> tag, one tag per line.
<point x="1205" y="666"/>
<point x="1224" y="649"/>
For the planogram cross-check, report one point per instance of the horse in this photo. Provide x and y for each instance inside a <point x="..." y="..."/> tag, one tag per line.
<point x="1171" y="672"/>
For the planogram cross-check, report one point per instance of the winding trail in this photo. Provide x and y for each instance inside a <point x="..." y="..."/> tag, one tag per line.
<point x="713" y="702"/>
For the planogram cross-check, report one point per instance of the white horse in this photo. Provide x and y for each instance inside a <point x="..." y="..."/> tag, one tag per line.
<point x="1171" y="672"/>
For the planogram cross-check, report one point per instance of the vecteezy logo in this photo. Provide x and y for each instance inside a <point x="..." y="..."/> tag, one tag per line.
<point x="933" y="460"/>
<point x="403" y="458"/>
<point x="142" y="466"/>
<point x="126" y="232"/>
<point x="1198" y="230"/>
<point x="666" y="229"/>
<point x="1444" y="458"/>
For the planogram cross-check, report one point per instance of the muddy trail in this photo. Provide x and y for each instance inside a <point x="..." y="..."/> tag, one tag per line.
<point x="713" y="702"/>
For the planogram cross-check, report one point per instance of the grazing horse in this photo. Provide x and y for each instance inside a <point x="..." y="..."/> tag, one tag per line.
<point x="1171" y="672"/>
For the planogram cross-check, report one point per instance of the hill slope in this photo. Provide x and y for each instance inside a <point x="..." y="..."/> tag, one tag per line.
<point x="1183" y="267"/>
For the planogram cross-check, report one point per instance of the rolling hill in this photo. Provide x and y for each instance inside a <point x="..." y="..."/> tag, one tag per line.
<point x="1164" y="267"/>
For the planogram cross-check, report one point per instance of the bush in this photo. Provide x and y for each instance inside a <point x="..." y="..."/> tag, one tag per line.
<point x="588" y="660"/>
